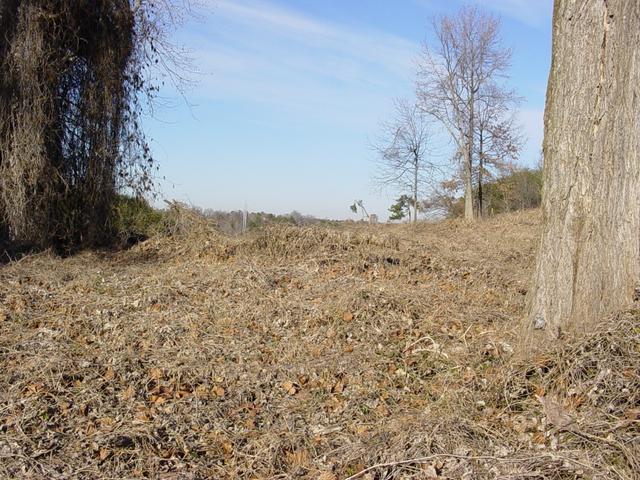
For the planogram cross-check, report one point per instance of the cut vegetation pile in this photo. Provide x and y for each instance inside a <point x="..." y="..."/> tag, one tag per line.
<point x="306" y="353"/>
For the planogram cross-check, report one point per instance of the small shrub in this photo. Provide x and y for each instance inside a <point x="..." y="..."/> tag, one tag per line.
<point x="134" y="220"/>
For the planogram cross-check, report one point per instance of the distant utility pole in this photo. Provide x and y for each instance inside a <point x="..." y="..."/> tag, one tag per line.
<point x="245" y="216"/>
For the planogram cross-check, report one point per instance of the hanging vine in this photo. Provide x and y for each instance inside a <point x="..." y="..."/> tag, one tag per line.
<point x="74" y="77"/>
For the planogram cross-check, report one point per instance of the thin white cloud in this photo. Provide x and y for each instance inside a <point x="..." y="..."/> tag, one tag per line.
<point x="535" y="13"/>
<point x="255" y="51"/>
<point x="371" y="46"/>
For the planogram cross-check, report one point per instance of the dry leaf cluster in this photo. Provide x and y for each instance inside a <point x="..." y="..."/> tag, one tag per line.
<point x="304" y="353"/>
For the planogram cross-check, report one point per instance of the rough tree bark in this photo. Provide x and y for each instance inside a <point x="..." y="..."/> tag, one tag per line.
<point x="416" y="183"/>
<point x="480" y="168"/>
<point x="468" y="157"/>
<point x="588" y="263"/>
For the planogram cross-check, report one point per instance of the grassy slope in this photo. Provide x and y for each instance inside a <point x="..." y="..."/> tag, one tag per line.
<point x="293" y="353"/>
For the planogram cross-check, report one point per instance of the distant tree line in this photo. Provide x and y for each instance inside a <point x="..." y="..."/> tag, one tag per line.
<point x="231" y="223"/>
<point x="135" y="219"/>
<point x="519" y="190"/>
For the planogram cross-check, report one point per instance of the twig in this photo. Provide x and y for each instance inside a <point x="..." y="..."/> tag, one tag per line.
<point x="416" y="460"/>
<point x="421" y="339"/>
<point x="452" y="455"/>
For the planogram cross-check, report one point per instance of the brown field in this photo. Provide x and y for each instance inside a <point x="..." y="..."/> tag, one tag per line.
<point x="306" y="353"/>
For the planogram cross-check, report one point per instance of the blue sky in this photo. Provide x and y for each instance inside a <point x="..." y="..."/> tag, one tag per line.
<point x="289" y="95"/>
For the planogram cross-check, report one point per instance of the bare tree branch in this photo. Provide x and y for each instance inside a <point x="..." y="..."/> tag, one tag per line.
<point x="459" y="75"/>
<point x="404" y="154"/>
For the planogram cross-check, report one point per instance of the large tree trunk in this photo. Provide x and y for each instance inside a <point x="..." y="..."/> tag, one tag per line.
<point x="467" y="174"/>
<point x="415" y="191"/>
<point x="589" y="257"/>
<point x="480" y="167"/>
<point x="468" y="191"/>
<point x="468" y="163"/>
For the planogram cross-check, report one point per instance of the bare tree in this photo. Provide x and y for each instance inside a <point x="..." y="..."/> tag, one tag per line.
<point x="588" y="263"/>
<point x="403" y="154"/>
<point x="498" y="137"/>
<point x="454" y="74"/>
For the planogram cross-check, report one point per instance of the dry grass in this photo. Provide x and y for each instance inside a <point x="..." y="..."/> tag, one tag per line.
<point x="304" y="353"/>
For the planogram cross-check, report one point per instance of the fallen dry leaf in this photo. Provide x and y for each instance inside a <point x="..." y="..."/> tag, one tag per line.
<point x="33" y="389"/>
<point x="430" y="472"/>
<point x="201" y="391"/>
<point x="338" y="387"/>
<point x="298" y="458"/>
<point x="107" y="423"/>
<point x="103" y="454"/>
<point x="218" y="391"/>
<point x="227" y="447"/>
<point x="110" y="374"/>
<point x="289" y="387"/>
<point x="141" y="416"/>
<point x="128" y="393"/>
<point x="327" y="476"/>
<point x="539" y="438"/>
<point x="64" y="407"/>
<point x="182" y="393"/>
